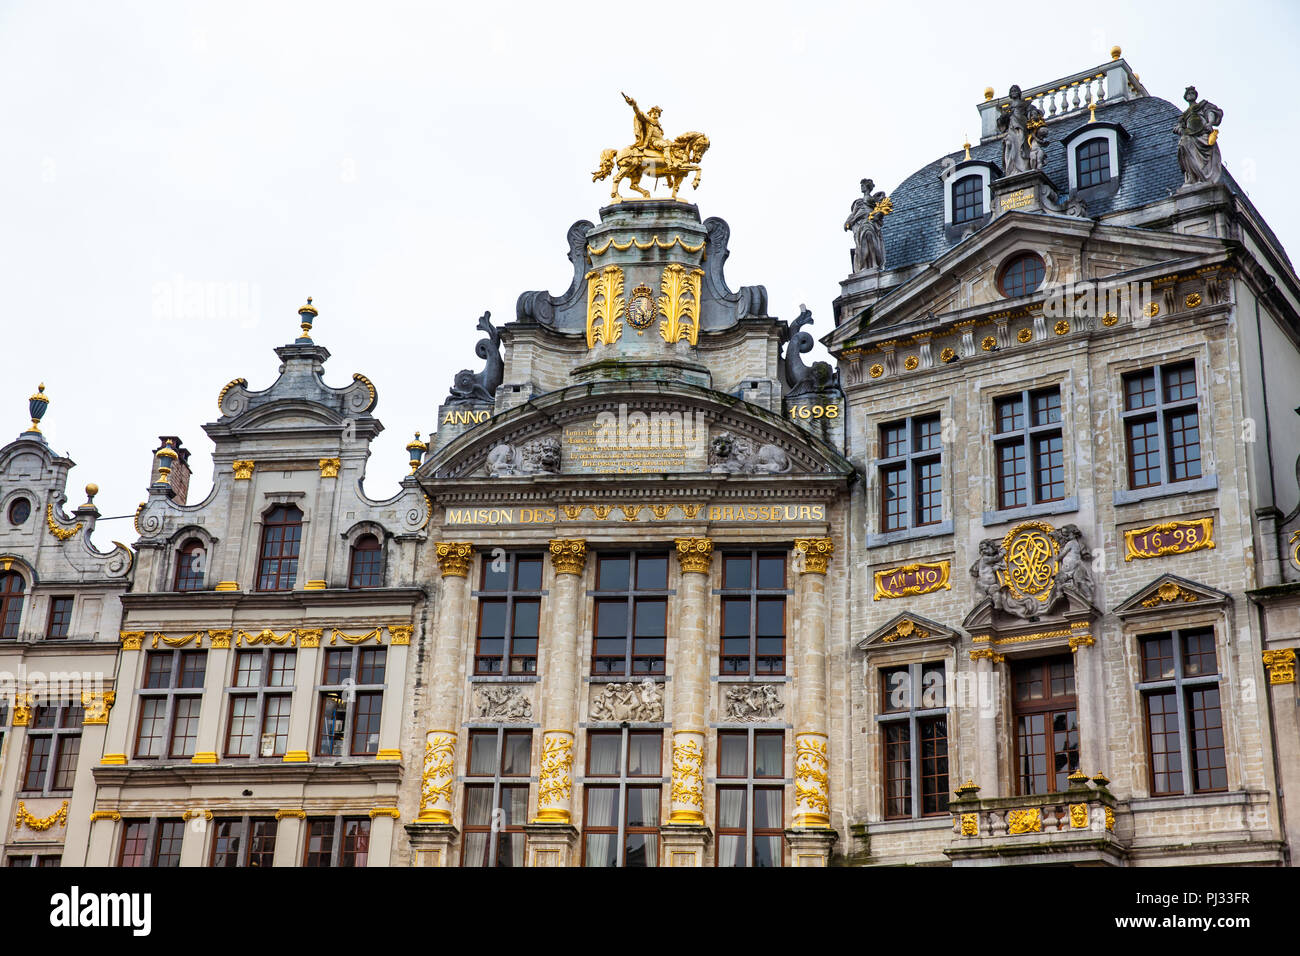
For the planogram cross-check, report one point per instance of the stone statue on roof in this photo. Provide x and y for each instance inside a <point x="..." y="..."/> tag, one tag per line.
<point x="1198" y="147"/>
<point x="866" y="221"/>
<point x="1017" y="122"/>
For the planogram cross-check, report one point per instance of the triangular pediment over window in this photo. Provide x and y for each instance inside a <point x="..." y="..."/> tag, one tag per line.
<point x="1169" y="591"/>
<point x="908" y="628"/>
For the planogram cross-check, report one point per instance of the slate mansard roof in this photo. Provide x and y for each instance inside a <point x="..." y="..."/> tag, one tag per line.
<point x="1149" y="172"/>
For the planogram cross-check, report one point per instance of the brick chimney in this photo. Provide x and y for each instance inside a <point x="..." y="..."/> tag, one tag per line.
<point x="180" y="476"/>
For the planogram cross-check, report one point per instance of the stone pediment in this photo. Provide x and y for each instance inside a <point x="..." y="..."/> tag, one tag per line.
<point x="908" y="629"/>
<point x="962" y="284"/>
<point x="633" y="429"/>
<point x="1170" y="592"/>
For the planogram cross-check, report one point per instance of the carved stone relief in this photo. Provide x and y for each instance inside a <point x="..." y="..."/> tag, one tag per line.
<point x="630" y="701"/>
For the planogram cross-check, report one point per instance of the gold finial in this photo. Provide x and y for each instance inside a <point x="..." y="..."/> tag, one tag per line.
<point x="1115" y="52"/>
<point x="36" y="406"/>
<point x="416" y="450"/>
<point x="988" y="93"/>
<point x="1092" y="108"/>
<point x="966" y="145"/>
<point x="308" y="313"/>
<point x="92" y="489"/>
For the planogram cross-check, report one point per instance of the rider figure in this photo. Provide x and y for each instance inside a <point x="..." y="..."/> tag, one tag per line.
<point x="649" y="134"/>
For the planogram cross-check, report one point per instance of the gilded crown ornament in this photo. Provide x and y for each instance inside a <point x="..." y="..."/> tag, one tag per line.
<point x="307" y="314"/>
<point x="416" y="450"/>
<point x="653" y="154"/>
<point x="36" y="406"/>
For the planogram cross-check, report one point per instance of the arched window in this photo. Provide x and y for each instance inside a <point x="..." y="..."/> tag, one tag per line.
<point x="967" y="199"/>
<point x="1093" y="159"/>
<point x="281" y="535"/>
<point x="190" y="562"/>
<point x="367" y="563"/>
<point x="1021" y="275"/>
<point x="12" y="587"/>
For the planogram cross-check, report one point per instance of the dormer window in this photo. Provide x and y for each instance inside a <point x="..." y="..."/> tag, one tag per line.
<point x="1092" y="153"/>
<point x="1093" y="163"/>
<point x="967" y="199"/>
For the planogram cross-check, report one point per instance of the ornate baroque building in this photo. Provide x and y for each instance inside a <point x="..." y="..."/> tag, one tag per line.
<point x="1016" y="581"/>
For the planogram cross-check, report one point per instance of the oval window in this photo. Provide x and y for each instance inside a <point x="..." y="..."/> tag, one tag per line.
<point x="1021" y="275"/>
<point x="20" y="509"/>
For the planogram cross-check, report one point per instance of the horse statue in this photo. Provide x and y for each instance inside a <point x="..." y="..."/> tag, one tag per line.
<point x="652" y="154"/>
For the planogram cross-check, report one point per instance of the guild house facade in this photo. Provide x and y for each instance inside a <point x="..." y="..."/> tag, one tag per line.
<point x="1016" y="580"/>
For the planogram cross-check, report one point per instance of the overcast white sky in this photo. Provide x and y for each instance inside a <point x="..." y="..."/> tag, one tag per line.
<point x="411" y="165"/>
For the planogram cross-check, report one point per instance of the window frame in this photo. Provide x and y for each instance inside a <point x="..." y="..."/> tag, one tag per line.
<point x="910" y="463"/>
<point x="1027" y="437"/>
<point x="1099" y="176"/>
<point x="1018" y="258"/>
<point x="913" y="717"/>
<point x="9" y="597"/>
<point x="341" y="690"/>
<point x="337" y="838"/>
<point x="245" y="851"/>
<point x="185" y="577"/>
<point x="632" y="595"/>
<point x="378" y="571"/>
<point x="957" y="206"/>
<point x="1048" y="706"/>
<point x="33" y="859"/>
<point x="263" y="558"/>
<point x="58" y="735"/>
<point x="261" y="693"/>
<point x="1180" y="684"/>
<point x="510" y="595"/>
<point x="748" y="783"/>
<point x="170" y="695"/>
<point x="1159" y="413"/>
<point x="57" y="602"/>
<point x="623" y="782"/>
<point x="497" y="781"/>
<point x="152" y="843"/>
<point x="754" y="592"/>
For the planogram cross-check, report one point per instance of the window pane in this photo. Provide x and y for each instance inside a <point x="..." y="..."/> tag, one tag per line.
<point x="893" y="481"/>
<point x="602" y="849"/>
<point x="896" y="690"/>
<point x="733" y="758"/>
<point x="644" y="751"/>
<point x="1180" y="382"/>
<point x="1184" y="436"/>
<point x="365" y="723"/>
<point x="153" y="715"/>
<point x="1049" y="469"/>
<point x="731" y="850"/>
<point x="1140" y="390"/>
<point x="602" y="807"/>
<point x="642" y="850"/>
<point x="518" y="753"/>
<point x="320" y="843"/>
<point x="496" y="575"/>
<point x="735" y="571"/>
<point x="767" y="808"/>
<point x="1158" y="658"/>
<point x="528" y="574"/>
<point x="651" y="572"/>
<point x="158" y="670"/>
<point x="603" y="753"/>
<point x="1163" y="736"/>
<point x="1205" y="728"/>
<point x="356" y="843"/>
<point x="929" y="492"/>
<point x="651" y="618"/>
<point x="261" y="843"/>
<point x="927" y="434"/>
<point x="767" y="851"/>
<point x="226" y="842"/>
<point x="38" y="762"/>
<point x="731" y="809"/>
<point x="1046" y="406"/>
<point x="643" y="806"/>
<point x="893" y="439"/>
<point x="898" y="769"/>
<point x="167" y="851"/>
<point x="612" y="574"/>
<point x="932" y="687"/>
<point x="1093" y="163"/>
<point x="771" y="617"/>
<point x="193" y="664"/>
<point x="1198" y="653"/>
<point x="338" y="666"/>
<point x="371" y="668"/>
<point x="282" y="669"/>
<point x="243" y="725"/>
<point x="611" y="618"/>
<point x="771" y="571"/>
<point x="135" y="833"/>
<point x="769" y="755"/>
<point x="1012" y="482"/>
<point x="276" y="723"/>
<point x="248" y="669"/>
<point x="527" y="614"/>
<point x="185" y="727"/>
<point x="735" y="617"/>
<point x="478" y="805"/>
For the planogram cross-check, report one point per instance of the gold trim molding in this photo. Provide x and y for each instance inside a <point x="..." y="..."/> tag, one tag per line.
<point x="1170" y="592"/>
<point x="905" y="628"/>
<point x="63" y="534"/>
<point x="23" y="818"/>
<point x="604" y="305"/>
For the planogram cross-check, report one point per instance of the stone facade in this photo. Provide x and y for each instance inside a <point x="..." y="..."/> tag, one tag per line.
<point x="658" y="592"/>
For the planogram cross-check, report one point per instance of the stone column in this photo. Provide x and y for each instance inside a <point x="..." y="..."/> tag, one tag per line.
<point x="685" y="835"/>
<point x="810" y="835"/>
<point x="96" y="705"/>
<point x="209" y="744"/>
<point x="1090" y="692"/>
<point x="239" y="550"/>
<point x="987" y="696"/>
<point x="551" y="834"/>
<point x="117" y="742"/>
<point x="433" y="834"/>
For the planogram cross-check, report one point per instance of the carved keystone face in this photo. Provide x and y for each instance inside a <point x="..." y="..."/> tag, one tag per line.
<point x="722" y="445"/>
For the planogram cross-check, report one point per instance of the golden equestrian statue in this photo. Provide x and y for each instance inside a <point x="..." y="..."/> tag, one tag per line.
<point x="652" y="153"/>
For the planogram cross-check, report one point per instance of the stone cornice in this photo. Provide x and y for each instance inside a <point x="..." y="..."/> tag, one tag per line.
<point x="239" y="774"/>
<point x="200" y="602"/>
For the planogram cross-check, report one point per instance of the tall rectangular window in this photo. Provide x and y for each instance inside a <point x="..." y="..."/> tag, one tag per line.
<point x="1028" y="449"/>
<point x="260" y="699"/>
<point x="631" y="629"/>
<point x="509" y="614"/>
<point x="753" y="613"/>
<point x="1047" y="724"/>
<point x="750" y="791"/>
<point x="1093" y="159"/>
<point x="1180" y="695"/>
<point x="1161" y="425"/>
<point x="60" y="617"/>
<point x="168" y="723"/>
<point x="911" y="473"/>
<point x="337" y="841"/>
<point x="967" y="199"/>
<point x="243" y="841"/>
<point x="53" y="745"/>
<point x="621" y="794"/>
<point x="152" y="842"/>
<point x="913" y="722"/>
<point x="277" y="564"/>
<point x="496" y="797"/>
<point x="351" y="702"/>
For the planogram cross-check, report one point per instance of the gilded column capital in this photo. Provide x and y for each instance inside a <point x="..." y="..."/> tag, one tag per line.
<point x="453" y="558"/>
<point x="244" y="469"/>
<point x="569" y="555"/>
<point x="816" y="554"/>
<point x="1281" y="665"/>
<point x="96" y="706"/>
<point x="695" y="554"/>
